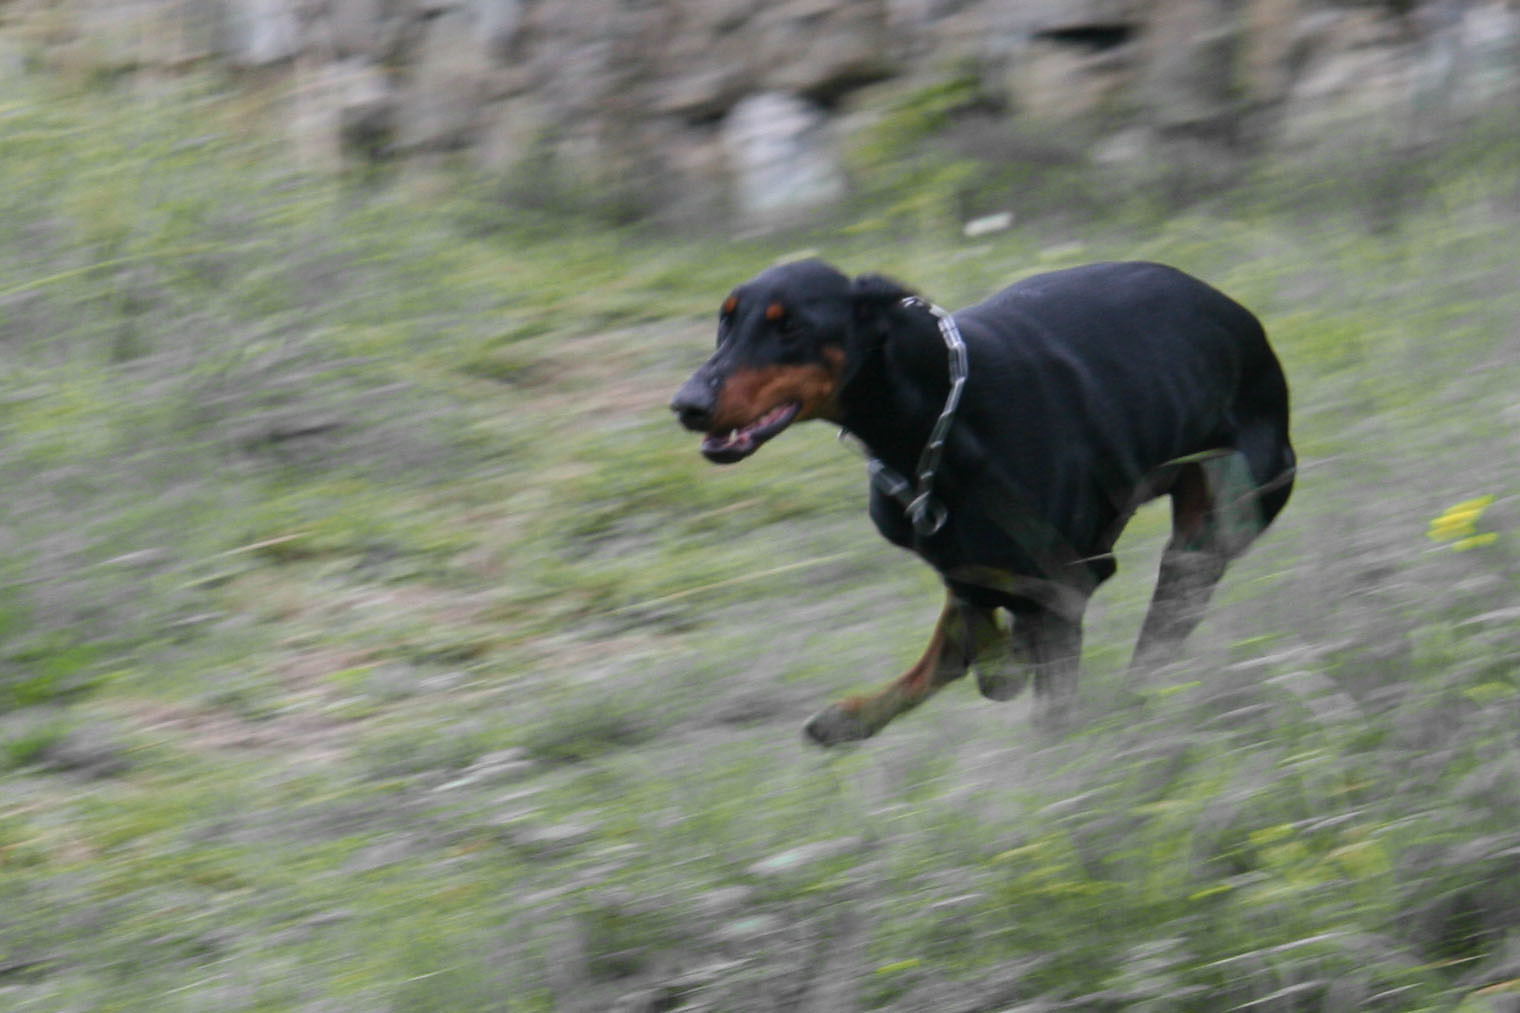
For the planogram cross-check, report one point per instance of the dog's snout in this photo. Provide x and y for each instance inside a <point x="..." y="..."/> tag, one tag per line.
<point x="695" y="403"/>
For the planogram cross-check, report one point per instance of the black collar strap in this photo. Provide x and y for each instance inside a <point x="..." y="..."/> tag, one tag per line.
<point x="926" y="513"/>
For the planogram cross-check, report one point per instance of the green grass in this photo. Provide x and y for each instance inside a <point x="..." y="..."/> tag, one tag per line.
<point x="322" y="500"/>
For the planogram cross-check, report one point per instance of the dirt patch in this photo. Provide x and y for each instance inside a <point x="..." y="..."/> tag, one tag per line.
<point x="301" y="737"/>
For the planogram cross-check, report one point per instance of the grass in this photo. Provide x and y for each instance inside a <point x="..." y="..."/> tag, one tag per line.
<point x="370" y="639"/>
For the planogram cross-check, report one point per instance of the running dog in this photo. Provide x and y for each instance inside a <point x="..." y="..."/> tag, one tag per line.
<point x="1010" y="442"/>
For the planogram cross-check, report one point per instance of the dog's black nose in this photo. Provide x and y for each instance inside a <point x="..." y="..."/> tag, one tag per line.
<point x="693" y="416"/>
<point x="695" y="403"/>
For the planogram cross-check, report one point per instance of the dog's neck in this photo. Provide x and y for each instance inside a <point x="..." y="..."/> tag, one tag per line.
<point x="898" y="392"/>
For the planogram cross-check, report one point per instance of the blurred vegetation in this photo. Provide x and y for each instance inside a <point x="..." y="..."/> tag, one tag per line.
<point x="370" y="639"/>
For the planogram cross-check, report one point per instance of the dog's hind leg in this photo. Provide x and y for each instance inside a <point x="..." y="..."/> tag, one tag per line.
<point x="1215" y="516"/>
<point x="963" y="629"/>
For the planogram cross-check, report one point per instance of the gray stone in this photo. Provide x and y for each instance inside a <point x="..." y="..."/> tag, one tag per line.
<point x="796" y="860"/>
<point x="357" y="26"/>
<point x="264" y="32"/>
<point x="473" y="777"/>
<point x="782" y="160"/>
<point x="123" y="34"/>
<point x="1191" y="48"/>
<point x="702" y="93"/>
<point x="1051" y="82"/>
<point x="385" y="853"/>
<point x="504" y="765"/>
<point x="1130" y="146"/>
<point x="1475" y="61"/>
<point x="725" y="900"/>
<point x="510" y="131"/>
<point x="343" y="108"/>
<point x="1354" y="74"/>
<point x="496" y="25"/>
<point x="820" y="49"/>
<point x="644" y="1000"/>
<point x="744" y="931"/>
<point x="549" y="840"/>
<point x="440" y="109"/>
<point x="1266" y="67"/>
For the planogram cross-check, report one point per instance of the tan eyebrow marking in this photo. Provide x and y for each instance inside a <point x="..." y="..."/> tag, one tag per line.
<point x="775" y="311"/>
<point x="730" y="304"/>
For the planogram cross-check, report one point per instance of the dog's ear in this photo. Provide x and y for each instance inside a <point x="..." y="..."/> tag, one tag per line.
<point x="874" y="302"/>
<point x="873" y="294"/>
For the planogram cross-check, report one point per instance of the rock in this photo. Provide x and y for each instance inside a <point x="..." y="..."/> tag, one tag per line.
<point x="782" y="160"/>
<point x="496" y="758"/>
<point x="342" y="109"/>
<point x="549" y="840"/>
<point x="987" y="225"/>
<point x="510" y="133"/>
<point x="1130" y="146"/>
<point x="502" y="765"/>
<point x="378" y="856"/>
<point x="496" y="25"/>
<point x="1052" y="80"/>
<point x="1354" y="72"/>
<point x="357" y="27"/>
<point x="440" y="110"/>
<point x="794" y="861"/>
<point x="676" y="995"/>
<point x="746" y="931"/>
<point x="367" y="109"/>
<point x="125" y="34"/>
<point x="264" y="32"/>
<point x="645" y="1000"/>
<point x="820" y="50"/>
<point x="702" y="94"/>
<point x="725" y="900"/>
<point x="1189" y="64"/>
<point x="1266" y="69"/>
<point x="1470" y="57"/>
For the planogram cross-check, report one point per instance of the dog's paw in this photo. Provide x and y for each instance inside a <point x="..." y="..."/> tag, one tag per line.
<point x="1001" y="686"/>
<point x="835" y="724"/>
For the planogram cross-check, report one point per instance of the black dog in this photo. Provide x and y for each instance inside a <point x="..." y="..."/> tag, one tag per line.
<point x="1011" y="442"/>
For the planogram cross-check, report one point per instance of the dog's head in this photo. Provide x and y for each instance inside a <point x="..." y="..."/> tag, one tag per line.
<point x="788" y="342"/>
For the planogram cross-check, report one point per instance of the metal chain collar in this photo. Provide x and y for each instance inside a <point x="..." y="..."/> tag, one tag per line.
<point x="927" y="514"/>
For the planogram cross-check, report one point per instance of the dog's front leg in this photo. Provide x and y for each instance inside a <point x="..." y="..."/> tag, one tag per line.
<point x="962" y="630"/>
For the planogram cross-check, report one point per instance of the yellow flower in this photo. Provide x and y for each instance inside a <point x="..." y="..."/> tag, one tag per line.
<point x="1458" y="523"/>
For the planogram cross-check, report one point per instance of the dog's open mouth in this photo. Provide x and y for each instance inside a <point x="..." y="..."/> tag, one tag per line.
<point x="737" y="444"/>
